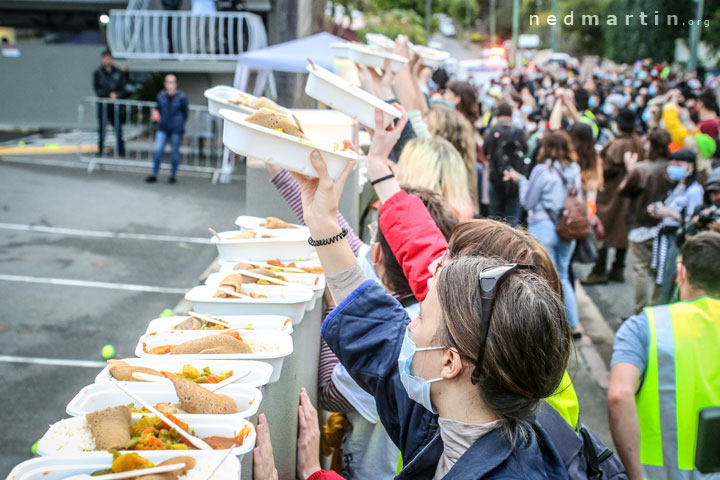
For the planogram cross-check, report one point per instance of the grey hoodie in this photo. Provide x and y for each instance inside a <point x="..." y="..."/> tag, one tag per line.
<point x="545" y="191"/>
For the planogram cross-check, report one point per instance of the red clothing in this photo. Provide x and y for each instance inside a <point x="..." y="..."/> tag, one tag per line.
<point x="413" y="237"/>
<point x="711" y="127"/>
<point x="325" y="475"/>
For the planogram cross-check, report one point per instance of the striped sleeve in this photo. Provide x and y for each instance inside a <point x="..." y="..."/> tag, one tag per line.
<point x="329" y="397"/>
<point x="289" y="189"/>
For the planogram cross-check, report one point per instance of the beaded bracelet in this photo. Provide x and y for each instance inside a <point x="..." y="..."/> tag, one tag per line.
<point x="328" y="241"/>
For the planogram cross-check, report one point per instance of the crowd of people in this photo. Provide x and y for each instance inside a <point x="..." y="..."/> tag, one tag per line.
<point x="452" y="313"/>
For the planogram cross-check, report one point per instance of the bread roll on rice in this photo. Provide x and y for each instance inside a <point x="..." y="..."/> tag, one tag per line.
<point x="199" y="400"/>
<point x="211" y="344"/>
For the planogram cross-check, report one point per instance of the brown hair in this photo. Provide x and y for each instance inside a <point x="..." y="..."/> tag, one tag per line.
<point x="587" y="158"/>
<point x="528" y="343"/>
<point x="444" y="218"/>
<point x="659" y="140"/>
<point x="556" y="145"/>
<point x="468" y="105"/>
<point x="491" y="238"/>
<point x="701" y="258"/>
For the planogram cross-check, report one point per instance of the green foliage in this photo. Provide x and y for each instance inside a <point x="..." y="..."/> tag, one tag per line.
<point x="458" y="10"/>
<point x="454" y="8"/>
<point x="394" y="22"/>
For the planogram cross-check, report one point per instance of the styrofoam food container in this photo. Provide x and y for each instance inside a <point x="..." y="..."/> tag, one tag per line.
<point x="338" y="93"/>
<point x="307" y="280"/>
<point x="253" y="223"/>
<point x="61" y="467"/>
<point x="260" y="372"/>
<point x="262" y="248"/>
<point x="55" y="441"/>
<point x="379" y="40"/>
<point x="340" y="49"/>
<point x="431" y="57"/>
<point x="219" y="97"/>
<point x="268" y="145"/>
<point x="176" y="337"/>
<point x="98" y="396"/>
<point x="314" y="281"/>
<point x="287" y="301"/>
<point x="299" y="263"/>
<point x="375" y="57"/>
<point x="270" y="323"/>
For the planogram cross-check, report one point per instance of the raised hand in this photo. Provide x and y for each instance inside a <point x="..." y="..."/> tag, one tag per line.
<point x="321" y="196"/>
<point x="383" y="141"/>
<point x="308" y="442"/>
<point x="263" y="459"/>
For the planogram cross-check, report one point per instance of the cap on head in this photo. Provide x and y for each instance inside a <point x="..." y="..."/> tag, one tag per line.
<point x="504" y="110"/>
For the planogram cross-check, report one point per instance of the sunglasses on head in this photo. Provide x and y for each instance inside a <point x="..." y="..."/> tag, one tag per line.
<point x="490" y="280"/>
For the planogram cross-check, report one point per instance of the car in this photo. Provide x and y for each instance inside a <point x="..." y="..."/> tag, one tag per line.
<point x="446" y="25"/>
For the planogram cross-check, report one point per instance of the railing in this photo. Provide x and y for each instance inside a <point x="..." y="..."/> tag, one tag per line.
<point x="172" y="35"/>
<point x="129" y="136"/>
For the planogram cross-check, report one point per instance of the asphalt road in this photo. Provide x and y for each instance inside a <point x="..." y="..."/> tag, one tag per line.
<point x="74" y="322"/>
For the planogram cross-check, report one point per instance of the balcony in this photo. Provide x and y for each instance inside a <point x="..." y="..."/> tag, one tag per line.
<point x="182" y="40"/>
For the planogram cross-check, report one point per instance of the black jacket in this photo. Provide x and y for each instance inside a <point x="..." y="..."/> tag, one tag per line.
<point x="105" y="82"/>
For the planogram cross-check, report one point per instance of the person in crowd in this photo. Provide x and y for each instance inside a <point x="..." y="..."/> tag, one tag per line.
<point x="708" y="122"/>
<point x="612" y="208"/>
<point x="172" y="105"/>
<point x="435" y="164"/>
<point x="503" y="144"/>
<point x="465" y="98"/>
<point x="482" y="393"/>
<point x="109" y="83"/>
<point x="543" y="196"/>
<point x="365" y="449"/>
<point x="685" y="197"/>
<point x="590" y="163"/>
<point x="586" y="116"/>
<point x="647" y="182"/>
<point x="707" y="215"/>
<point x="456" y="129"/>
<point x="664" y="370"/>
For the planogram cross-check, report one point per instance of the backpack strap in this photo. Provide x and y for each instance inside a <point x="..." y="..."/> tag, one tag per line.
<point x="591" y="456"/>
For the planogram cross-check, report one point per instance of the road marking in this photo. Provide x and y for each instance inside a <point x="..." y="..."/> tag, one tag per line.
<point x="52" y="361"/>
<point x="102" y="234"/>
<point x="87" y="283"/>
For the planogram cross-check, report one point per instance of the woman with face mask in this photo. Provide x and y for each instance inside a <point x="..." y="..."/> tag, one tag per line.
<point x="455" y="388"/>
<point x="678" y="207"/>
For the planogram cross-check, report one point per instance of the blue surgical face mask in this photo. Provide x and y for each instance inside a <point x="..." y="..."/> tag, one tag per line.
<point x="417" y="388"/>
<point x="652" y="91"/>
<point x="444" y="103"/>
<point x="646" y="117"/>
<point x="592" y="102"/>
<point x="642" y="75"/>
<point x="676" y="172"/>
<point x="608" y="109"/>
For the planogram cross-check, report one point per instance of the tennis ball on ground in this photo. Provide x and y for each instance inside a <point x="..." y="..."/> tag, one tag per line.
<point x="21" y="143"/>
<point x="108" y="352"/>
<point x="33" y="449"/>
<point x="166" y="313"/>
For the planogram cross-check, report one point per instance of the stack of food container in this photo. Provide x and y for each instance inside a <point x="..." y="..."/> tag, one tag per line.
<point x="234" y="340"/>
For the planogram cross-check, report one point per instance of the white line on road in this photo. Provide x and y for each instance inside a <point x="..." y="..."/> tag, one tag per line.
<point x="52" y="361"/>
<point x="87" y="283"/>
<point x="102" y="234"/>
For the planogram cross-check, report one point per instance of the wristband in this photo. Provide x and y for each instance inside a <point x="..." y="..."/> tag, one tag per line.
<point x="327" y="241"/>
<point x="382" y="179"/>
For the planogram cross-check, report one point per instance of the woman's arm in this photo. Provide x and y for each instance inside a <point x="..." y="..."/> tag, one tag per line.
<point x="289" y="189"/>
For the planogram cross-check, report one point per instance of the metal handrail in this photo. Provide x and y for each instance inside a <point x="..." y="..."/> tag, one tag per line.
<point x="182" y="35"/>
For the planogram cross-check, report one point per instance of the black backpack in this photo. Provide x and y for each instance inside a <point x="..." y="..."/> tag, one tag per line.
<point x="585" y="456"/>
<point x="508" y="152"/>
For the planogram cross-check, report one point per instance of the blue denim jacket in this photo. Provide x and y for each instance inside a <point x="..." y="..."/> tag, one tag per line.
<point x="365" y="332"/>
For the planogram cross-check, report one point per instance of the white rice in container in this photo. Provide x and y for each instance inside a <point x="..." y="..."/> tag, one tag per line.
<point x="69" y="435"/>
<point x="259" y="346"/>
<point x="205" y="466"/>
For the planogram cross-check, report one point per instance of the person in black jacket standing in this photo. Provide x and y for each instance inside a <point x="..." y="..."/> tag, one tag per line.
<point x="109" y="82"/>
<point x="173" y="111"/>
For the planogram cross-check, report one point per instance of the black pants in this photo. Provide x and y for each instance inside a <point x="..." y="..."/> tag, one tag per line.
<point x="601" y="262"/>
<point x="114" y="115"/>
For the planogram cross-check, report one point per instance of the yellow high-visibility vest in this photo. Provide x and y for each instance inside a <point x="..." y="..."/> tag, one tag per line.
<point x="682" y="377"/>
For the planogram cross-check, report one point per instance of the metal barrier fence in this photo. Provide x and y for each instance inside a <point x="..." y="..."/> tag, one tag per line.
<point x="181" y="35"/>
<point x="127" y="131"/>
